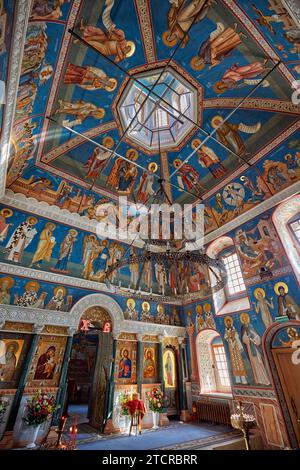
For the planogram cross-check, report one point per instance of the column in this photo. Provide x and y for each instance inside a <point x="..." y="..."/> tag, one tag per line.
<point x="139" y="362"/>
<point x="164" y="420"/>
<point x="61" y="396"/>
<point x="37" y="329"/>
<point x="109" y="426"/>
<point x="184" y="415"/>
<point x="193" y="355"/>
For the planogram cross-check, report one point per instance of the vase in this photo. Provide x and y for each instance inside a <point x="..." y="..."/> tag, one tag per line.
<point x="155" y="417"/>
<point x="34" y="430"/>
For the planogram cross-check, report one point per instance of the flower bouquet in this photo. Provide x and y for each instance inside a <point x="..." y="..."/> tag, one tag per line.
<point x="3" y="407"/>
<point x="39" y="408"/>
<point x="124" y="399"/>
<point x="155" y="399"/>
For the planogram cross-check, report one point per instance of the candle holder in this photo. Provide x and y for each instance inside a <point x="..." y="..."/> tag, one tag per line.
<point x="59" y="431"/>
<point x="242" y="421"/>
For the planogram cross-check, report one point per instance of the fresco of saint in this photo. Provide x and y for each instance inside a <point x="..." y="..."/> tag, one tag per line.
<point x="221" y="42"/>
<point x="182" y="16"/>
<point x="91" y="248"/>
<point x="145" y="313"/>
<point x="100" y="157"/>
<point x="46" y="365"/>
<point x="88" y="78"/>
<point x="235" y="351"/>
<point x="111" y="42"/>
<point x="149" y="363"/>
<point x="45" y="246"/>
<point x="4" y="226"/>
<point x="100" y="263"/>
<point x="286" y="304"/>
<point x="252" y="346"/>
<point x="29" y="298"/>
<point x="123" y="173"/>
<point x="131" y="312"/>
<point x="65" y="251"/>
<point x="188" y="177"/>
<point x="263" y="306"/>
<point x="20" y="239"/>
<point x="125" y="366"/>
<point x="245" y="74"/>
<point x="228" y="134"/>
<point x="208" y="159"/>
<point x="57" y="302"/>
<point x="80" y="110"/>
<point x="8" y="359"/>
<point x="169" y="370"/>
<point x="6" y="284"/>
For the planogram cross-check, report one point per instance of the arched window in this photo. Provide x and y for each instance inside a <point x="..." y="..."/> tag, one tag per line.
<point x="286" y="220"/>
<point x="212" y="363"/>
<point x="233" y="297"/>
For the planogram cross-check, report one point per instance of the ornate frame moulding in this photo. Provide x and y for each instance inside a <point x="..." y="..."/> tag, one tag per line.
<point x="71" y="319"/>
<point x="22" y="8"/>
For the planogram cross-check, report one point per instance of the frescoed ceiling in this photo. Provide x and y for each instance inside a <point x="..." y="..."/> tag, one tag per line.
<point x="116" y="94"/>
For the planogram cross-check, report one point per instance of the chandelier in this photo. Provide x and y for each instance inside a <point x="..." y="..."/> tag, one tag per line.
<point x="165" y="270"/>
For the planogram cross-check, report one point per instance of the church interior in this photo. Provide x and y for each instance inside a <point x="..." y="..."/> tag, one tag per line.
<point x="122" y="327"/>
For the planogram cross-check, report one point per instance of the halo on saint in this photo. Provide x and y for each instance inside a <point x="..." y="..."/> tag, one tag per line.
<point x="206" y="307"/>
<point x="245" y="318"/>
<point x="220" y="87"/>
<point x="196" y="143"/>
<point x="132" y="154"/>
<point x="166" y="39"/>
<point x="131" y="46"/>
<point x="145" y="305"/>
<point x="216" y="121"/>
<point x="281" y="284"/>
<point x="259" y="290"/>
<point x="131" y="303"/>
<point x="177" y="163"/>
<point x="6" y="212"/>
<point x="113" y="84"/>
<point x="108" y="142"/>
<point x="33" y="284"/>
<point x="10" y="281"/>
<point x="199" y="308"/>
<point x="153" y="167"/>
<point x="228" y="320"/>
<point x="60" y="288"/>
<point x="197" y="64"/>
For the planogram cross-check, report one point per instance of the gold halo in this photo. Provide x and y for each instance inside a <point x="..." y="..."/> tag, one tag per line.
<point x="144" y="304"/>
<point x="199" y="309"/>
<point x="280" y="284"/>
<point x="196" y="143"/>
<point x="9" y="279"/>
<point x="35" y="284"/>
<point x="242" y="178"/>
<point x="73" y="232"/>
<point x="146" y="352"/>
<point x="5" y="210"/>
<point x="293" y="330"/>
<point x="113" y="86"/>
<point x="259" y="290"/>
<point x="245" y="318"/>
<point x="56" y="289"/>
<point x="207" y="307"/>
<point x="99" y="113"/>
<point x="131" y="302"/>
<point x="14" y="344"/>
<point x="33" y="219"/>
<point x="228" y="318"/>
<point x="104" y="242"/>
<point x="153" y="167"/>
<point x="177" y="162"/>
<point x="135" y="155"/>
<point x="214" y="122"/>
<point x="220" y="87"/>
<point x="131" y="44"/>
<point x="159" y="306"/>
<point x="166" y="41"/>
<point x="48" y="224"/>
<point x="108" y="142"/>
<point x="196" y="65"/>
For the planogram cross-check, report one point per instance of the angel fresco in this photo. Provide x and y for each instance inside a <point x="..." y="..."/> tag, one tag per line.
<point x="89" y="78"/>
<point x="96" y="163"/>
<point x="182" y="15"/>
<point x="80" y="110"/>
<point x="111" y="42"/>
<point x="228" y="134"/>
<point x="221" y="42"/>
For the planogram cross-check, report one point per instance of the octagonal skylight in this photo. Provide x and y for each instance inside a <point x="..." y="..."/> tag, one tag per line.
<point x="157" y="109"/>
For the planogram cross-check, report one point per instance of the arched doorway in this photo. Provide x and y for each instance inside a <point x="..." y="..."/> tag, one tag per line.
<point x="89" y="367"/>
<point x="282" y="343"/>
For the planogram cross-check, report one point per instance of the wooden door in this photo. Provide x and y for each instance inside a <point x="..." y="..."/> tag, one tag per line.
<point x="289" y="375"/>
<point x="100" y="380"/>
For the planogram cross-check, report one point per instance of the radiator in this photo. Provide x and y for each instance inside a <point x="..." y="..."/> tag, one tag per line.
<point x="213" y="411"/>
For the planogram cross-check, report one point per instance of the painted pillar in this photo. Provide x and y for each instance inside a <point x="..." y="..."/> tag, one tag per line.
<point x="23" y="379"/>
<point x="63" y="385"/>
<point x="164" y="420"/>
<point x="194" y="375"/>
<point x="184" y="412"/>
<point x="139" y="361"/>
<point x="109" y="426"/>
